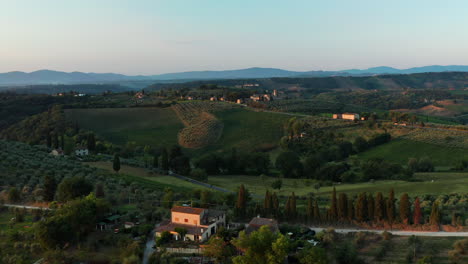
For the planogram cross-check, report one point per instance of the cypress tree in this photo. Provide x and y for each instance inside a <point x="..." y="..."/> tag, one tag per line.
<point x="155" y="161"/>
<point x="267" y="203"/>
<point x="405" y="208"/>
<point x="310" y="210"/>
<point x="316" y="211"/>
<point x="417" y="214"/>
<point x="275" y="205"/>
<point x="370" y="207"/>
<point x="116" y="163"/>
<point x="164" y="160"/>
<point x="241" y="201"/>
<point x="333" y="207"/>
<point x="379" y="208"/>
<point x="293" y="206"/>
<point x="350" y="210"/>
<point x="361" y="208"/>
<point x="391" y="207"/>
<point x="434" y="219"/>
<point x="91" y="142"/>
<point x="287" y="208"/>
<point x="50" y="186"/>
<point x="99" y="190"/>
<point x="342" y="206"/>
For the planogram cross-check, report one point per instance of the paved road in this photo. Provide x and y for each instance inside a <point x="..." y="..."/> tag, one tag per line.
<point x="399" y="233"/>
<point x="25" y="206"/>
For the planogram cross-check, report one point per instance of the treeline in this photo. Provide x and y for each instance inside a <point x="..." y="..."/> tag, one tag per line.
<point x="361" y="209"/>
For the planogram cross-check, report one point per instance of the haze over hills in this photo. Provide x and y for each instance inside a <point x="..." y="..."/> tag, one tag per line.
<point x="58" y="77"/>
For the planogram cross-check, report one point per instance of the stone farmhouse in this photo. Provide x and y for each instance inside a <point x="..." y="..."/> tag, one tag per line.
<point x="200" y="224"/>
<point x="347" y="116"/>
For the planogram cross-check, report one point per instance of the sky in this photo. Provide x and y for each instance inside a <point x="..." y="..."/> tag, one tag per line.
<point x="155" y="36"/>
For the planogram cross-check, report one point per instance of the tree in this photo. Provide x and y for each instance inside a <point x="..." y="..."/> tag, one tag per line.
<point x="164" y="160"/>
<point x="261" y="247"/>
<point x="241" y="204"/>
<point x="313" y="255"/>
<point x="71" y="222"/>
<point x="289" y="164"/>
<point x="391" y="207"/>
<point x="275" y="205"/>
<point x="350" y="209"/>
<point x="199" y="175"/>
<point x="343" y="206"/>
<point x="219" y="249"/>
<point x="267" y="203"/>
<point x="277" y="184"/>
<point x="379" y="208"/>
<point x="333" y="207"/>
<point x="360" y="144"/>
<point x="181" y="165"/>
<point x="175" y="152"/>
<point x="417" y="214"/>
<point x="370" y="207"/>
<point x="317" y="216"/>
<point x="14" y="195"/>
<point x="91" y="142"/>
<point x="116" y="163"/>
<point x="205" y="198"/>
<point x="74" y="187"/>
<point x="155" y="161"/>
<point x="310" y="210"/>
<point x="49" y="140"/>
<point x="50" y="187"/>
<point x="361" y="208"/>
<point x="181" y="231"/>
<point x="434" y="219"/>
<point x="99" y="190"/>
<point x="168" y="198"/>
<point x="405" y="208"/>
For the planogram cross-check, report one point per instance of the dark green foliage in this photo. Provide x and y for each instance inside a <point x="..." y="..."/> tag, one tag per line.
<point x="74" y="187"/>
<point x="50" y="187"/>
<point x="277" y="184"/>
<point x="289" y="164"/>
<point x="91" y="142"/>
<point x="116" y="163"/>
<point x="14" y="195"/>
<point x="343" y="207"/>
<point x="71" y="223"/>
<point x="361" y="208"/>
<point x="164" y="159"/>
<point x="390" y="207"/>
<point x="181" y="165"/>
<point x="405" y="209"/>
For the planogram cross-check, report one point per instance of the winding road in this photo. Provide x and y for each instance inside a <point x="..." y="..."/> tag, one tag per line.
<point x="397" y="232"/>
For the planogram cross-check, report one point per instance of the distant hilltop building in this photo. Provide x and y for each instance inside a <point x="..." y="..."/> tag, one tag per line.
<point x="347" y="116"/>
<point x="199" y="223"/>
<point x="260" y="97"/>
<point x="257" y="222"/>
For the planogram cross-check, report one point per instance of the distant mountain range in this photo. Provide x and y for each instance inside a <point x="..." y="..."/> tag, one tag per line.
<point x="57" y="77"/>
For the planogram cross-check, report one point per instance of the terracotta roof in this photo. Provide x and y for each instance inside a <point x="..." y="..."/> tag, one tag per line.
<point x="187" y="210"/>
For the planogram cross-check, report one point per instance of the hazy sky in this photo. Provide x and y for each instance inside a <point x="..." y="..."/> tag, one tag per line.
<point x="152" y="36"/>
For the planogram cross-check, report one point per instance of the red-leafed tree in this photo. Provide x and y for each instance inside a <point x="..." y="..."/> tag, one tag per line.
<point x="417" y="214"/>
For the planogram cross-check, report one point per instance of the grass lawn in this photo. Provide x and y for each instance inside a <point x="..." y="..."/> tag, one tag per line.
<point x="430" y="183"/>
<point x="400" y="150"/>
<point x="141" y="175"/>
<point x="145" y="126"/>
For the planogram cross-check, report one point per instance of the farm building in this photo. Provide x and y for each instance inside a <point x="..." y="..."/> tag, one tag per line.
<point x="199" y="223"/>
<point x="258" y="222"/>
<point x="347" y="116"/>
<point x="81" y="151"/>
<point x="260" y="97"/>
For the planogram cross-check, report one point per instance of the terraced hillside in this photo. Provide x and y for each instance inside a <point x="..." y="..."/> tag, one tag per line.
<point x="201" y="127"/>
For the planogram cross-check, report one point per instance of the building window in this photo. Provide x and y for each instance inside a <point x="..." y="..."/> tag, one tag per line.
<point x="177" y="219"/>
<point x="186" y="220"/>
<point x="195" y="222"/>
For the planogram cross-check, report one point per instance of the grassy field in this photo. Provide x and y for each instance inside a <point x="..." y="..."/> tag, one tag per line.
<point x="429" y="183"/>
<point x="142" y="175"/>
<point x="246" y="129"/>
<point x="400" y="150"/>
<point x="145" y="126"/>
